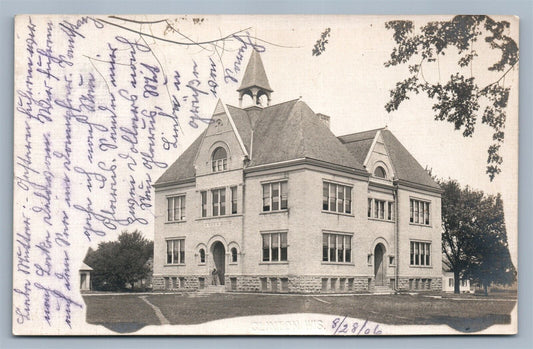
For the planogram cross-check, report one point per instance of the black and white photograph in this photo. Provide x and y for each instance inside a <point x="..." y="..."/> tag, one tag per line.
<point x="332" y="175"/>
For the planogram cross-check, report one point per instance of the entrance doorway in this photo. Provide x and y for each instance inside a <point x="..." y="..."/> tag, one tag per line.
<point x="219" y="257"/>
<point x="379" y="265"/>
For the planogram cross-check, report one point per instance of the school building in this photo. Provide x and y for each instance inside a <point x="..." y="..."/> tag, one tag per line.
<point x="269" y="197"/>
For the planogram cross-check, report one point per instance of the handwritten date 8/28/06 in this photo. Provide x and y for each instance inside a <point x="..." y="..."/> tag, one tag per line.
<point x="357" y="328"/>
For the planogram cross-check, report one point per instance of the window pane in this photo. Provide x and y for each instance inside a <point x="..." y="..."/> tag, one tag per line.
<point x="284" y="195"/>
<point x="348" y="242"/>
<point x="275" y="196"/>
<point x="275" y="246"/>
<point x="369" y="208"/>
<point x="202" y="255"/>
<point x="382" y="210"/>
<point x="332" y="197"/>
<point x="233" y="200"/>
<point x="417" y="214"/>
<point x="266" y="197"/>
<point x="222" y="196"/>
<point x="411" y="211"/>
<point x="169" y="251"/>
<point x="170" y="209"/>
<point x="182" y="209"/>
<point x="325" y="196"/>
<point x="215" y="202"/>
<point x="348" y="200"/>
<point x="417" y="254"/>
<point x="225" y="164"/>
<point x="283" y="256"/>
<point x="340" y="198"/>
<point x="266" y="247"/>
<point x="428" y="253"/>
<point x="340" y="248"/>
<point x="175" y="251"/>
<point x="325" y="247"/>
<point x="182" y="251"/>
<point x="204" y="203"/>
<point x="332" y="248"/>
<point x="412" y="261"/>
<point x="426" y="216"/>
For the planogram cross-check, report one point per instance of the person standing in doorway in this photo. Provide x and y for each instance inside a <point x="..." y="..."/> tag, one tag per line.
<point x="214" y="276"/>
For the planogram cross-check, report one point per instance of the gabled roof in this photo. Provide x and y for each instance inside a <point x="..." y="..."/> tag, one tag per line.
<point x="85" y="267"/>
<point x="183" y="167"/>
<point x="405" y="165"/>
<point x="359" y="143"/>
<point x="255" y="74"/>
<point x="291" y="130"/>
<point x="285" y="131"/>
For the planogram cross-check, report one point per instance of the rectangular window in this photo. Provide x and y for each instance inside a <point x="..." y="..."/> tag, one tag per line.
<point x="219" y="201"/>
<point x="233" y="200"/>
<point x="420" y="212"/>
<point x="176" y="251"/>
<point x="176" y="208"/>
<point x="380" y="209"/>
<point x="275" y="196"/>
<point x="450" y="282"/>
<point x="336" y="248"/>
<point x="336" y="198"/>
<point x="274" y="247"/>
<point x="203" y="195"/>
<point x="420" y="253"/>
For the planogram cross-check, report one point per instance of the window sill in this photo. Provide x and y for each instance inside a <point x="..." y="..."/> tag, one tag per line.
<point x="339" y="213"/>
<point x="233" y="263"/>
<point x="176" y="222"/>
<point x="338" y="263"/>
<point x="217" y="217"/>
<point x="381" y="220"/>
<point x="274" y="263"/>
<point x="174" y="265"/>
<point x="421" y="225"/>
<point x="421" y="266"/>
<point x="273" y="212"/>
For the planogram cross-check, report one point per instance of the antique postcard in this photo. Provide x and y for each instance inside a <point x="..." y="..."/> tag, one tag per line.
<point x="265" y="175"/>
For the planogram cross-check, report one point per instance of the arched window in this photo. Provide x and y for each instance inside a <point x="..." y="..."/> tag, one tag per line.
<point x="234" y="255"/>
<point x="380" y="172"/>
<point x="219" y="160"/>
<point x="202" y="255"/>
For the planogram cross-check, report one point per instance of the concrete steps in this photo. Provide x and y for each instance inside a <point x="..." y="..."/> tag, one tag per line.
<point x="382" y="290"/>
<point x="212" y="289"/>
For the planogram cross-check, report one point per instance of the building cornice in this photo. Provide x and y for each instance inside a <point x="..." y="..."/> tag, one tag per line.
<point x="403" y="183"/>
<point x="306" y="161"/>
<point x="178" y="183"/>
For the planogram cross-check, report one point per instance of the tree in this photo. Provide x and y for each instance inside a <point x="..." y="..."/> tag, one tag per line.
<point x="474" y="238"/>
<point x="121" y="262"/>
<point x="458" y="99"/>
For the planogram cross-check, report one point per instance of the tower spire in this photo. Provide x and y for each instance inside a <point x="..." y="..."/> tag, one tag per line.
<point x="255" y="82"/>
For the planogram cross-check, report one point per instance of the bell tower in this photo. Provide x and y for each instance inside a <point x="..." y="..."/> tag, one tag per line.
<point x="255" y="82"/>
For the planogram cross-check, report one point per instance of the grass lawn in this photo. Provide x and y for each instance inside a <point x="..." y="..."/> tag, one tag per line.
<point x="468" y="314"/>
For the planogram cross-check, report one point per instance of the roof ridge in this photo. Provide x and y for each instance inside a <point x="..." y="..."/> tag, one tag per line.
<point x="357" y="133"/>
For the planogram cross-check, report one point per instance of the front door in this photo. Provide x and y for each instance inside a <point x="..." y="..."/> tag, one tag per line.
<point x="379" y="267"/>
<point x="219" y="257"/>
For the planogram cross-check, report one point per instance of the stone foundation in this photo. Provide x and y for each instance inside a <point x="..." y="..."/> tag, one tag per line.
<point x="295" y="284"/>
<point x="420" y="284"/>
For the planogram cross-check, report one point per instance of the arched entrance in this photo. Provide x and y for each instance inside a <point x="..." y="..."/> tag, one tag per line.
<point x="379" y="265"/>
<point x="219" y="258"/>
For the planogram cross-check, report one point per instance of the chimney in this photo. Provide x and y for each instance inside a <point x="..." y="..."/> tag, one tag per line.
<point x="324" y="118"/>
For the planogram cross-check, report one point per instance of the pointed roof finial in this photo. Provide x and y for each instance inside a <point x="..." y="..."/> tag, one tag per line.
<point x="255" y="75"/>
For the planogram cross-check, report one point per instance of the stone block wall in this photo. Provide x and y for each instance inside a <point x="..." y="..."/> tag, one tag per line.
<point x="419" y="284"/>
